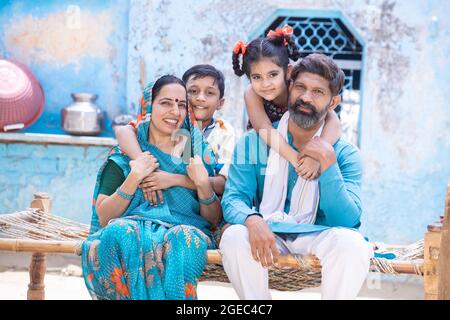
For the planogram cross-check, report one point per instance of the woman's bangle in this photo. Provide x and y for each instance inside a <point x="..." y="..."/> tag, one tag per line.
<point x="210" y="200"/>
<point x="124" y="195"/>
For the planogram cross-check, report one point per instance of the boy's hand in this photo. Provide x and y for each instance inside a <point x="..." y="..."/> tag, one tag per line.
<point x="308" y="168"/>
<point x="154" y="183"/>
<point x="197" y="172"/>
<point x="144" y="165"/>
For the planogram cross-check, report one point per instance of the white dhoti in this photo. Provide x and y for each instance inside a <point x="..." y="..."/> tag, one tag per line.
<point x="344" y="255"/>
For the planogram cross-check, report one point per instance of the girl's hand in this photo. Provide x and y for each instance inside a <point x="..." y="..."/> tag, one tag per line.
<point x="319" y="149"/>
<point x="144" y="165"/>
<point x="197" y="172"/>
<point x="154" y="183"/>
<point x="308" y="168"/>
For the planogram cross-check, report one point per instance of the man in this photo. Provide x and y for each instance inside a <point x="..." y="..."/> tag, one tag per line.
<point x="272" y="210"/>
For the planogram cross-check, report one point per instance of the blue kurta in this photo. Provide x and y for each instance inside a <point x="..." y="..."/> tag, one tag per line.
<point x="339" y="187"/>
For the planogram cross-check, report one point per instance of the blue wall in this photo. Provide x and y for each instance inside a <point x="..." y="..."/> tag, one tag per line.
<point x="67" y="173"/>
<point x="71" y="46"/>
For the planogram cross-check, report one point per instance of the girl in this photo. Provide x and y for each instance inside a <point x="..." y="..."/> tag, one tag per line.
<point x="265" y="61"/>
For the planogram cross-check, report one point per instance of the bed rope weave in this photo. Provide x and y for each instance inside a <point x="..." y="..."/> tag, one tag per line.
<point x="34" y="230"/>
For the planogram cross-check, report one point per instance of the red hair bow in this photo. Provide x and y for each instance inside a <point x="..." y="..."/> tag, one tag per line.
<point x="240" y="46"/>
<point x="284" y="32"/>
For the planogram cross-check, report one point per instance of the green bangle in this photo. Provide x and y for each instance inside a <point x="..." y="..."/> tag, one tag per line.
<point x="210" y="200"/>
<point x="124" y="195"/>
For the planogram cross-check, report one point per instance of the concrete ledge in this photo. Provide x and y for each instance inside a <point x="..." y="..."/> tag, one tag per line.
<point x="39" y="138"/>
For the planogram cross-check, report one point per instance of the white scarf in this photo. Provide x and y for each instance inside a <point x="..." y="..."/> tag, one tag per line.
<point x="305" y="195"/>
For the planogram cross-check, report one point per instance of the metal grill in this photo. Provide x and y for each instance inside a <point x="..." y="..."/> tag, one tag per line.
<point x="328" y="36"/>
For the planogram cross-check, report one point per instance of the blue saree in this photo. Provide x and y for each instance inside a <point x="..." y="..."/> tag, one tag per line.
<point x="149" y="252"/>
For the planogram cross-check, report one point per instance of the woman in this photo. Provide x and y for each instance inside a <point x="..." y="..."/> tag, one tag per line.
<point x="141" y="251"/>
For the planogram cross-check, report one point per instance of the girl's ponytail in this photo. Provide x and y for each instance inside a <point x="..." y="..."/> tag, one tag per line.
<point x="239" y="48"/>
<point x="293" y="52"/>
<point x="283" y="36"/>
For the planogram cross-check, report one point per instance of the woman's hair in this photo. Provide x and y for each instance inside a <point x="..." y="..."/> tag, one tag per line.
<point x="279" y="48"/>
<point x="163" y="81"/>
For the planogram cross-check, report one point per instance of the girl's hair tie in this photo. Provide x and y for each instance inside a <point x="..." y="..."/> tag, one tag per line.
<point x="284" y="32"/>
<point x="240" y="46"/>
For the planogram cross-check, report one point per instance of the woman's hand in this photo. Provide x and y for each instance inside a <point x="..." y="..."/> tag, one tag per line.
<point x="308" y="168"/>
<point x="197" y="172"/>
<point x="144" y="164"/>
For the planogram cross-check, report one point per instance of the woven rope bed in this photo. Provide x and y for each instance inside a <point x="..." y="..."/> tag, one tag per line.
<point x="38" y="231"/>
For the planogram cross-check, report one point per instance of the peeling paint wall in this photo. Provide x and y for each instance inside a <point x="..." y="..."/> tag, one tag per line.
<point x="67" y="173"/>
<point x="54" y="40"/>
<point x="405" y="141"/>
<point x="406" y="119"/>
<point x="71" y="46"/>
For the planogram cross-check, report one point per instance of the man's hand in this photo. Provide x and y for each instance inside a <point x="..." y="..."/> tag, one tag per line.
<point x="262" y="241"/>
<point x="319" y="149"/>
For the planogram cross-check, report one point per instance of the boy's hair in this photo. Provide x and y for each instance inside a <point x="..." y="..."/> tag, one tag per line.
<point x="323" y="66"/>
<point x="278" y="48"/>
<point x="206" y="70"/>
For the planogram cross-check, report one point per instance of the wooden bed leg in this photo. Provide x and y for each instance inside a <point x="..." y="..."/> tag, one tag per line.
<point x="36" y="288"/>
<point x="38" y="266"/>
<point x="444" y="256"/>
<point x="432" y="242"/>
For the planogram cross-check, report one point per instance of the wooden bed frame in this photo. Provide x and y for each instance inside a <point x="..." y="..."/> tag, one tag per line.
<point x="435" y="267"/>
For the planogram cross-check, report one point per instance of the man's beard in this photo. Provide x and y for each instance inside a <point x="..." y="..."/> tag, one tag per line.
<point x="302" y="119"/>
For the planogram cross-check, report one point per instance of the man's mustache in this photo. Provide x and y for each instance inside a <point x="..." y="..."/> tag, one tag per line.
<point x="300" y="103"/>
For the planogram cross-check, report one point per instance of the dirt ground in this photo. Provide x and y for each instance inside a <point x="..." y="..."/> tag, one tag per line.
<point x="63" y="281"/>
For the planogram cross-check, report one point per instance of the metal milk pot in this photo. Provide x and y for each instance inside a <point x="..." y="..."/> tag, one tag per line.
<point x="83" y="116"/>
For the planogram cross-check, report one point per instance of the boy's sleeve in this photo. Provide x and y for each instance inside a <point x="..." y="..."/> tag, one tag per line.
<point x="241" y="186"/>
<point x="223" y="170"/>
<point x="227" y="144"/>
